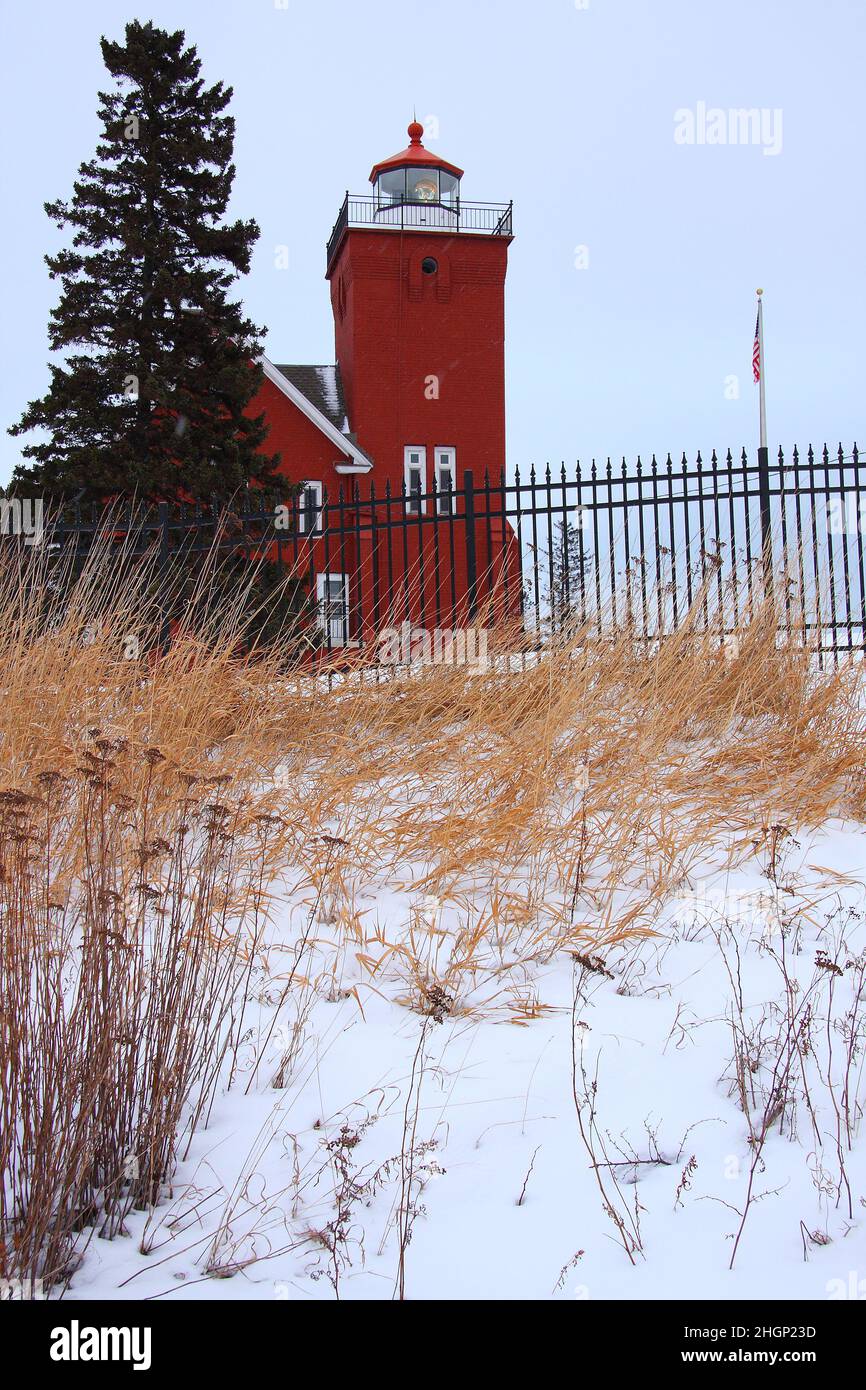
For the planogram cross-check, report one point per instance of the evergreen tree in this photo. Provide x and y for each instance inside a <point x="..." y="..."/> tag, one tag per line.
<point x="569" y="561"/>
<point x="157" y="368"/>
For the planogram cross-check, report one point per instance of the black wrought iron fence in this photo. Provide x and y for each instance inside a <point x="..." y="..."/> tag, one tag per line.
<point x="609" y="547"/>
<point x="723" y="533"/>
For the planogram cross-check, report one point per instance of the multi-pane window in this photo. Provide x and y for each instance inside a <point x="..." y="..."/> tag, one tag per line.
<point x="332" y="594"/>
<point x="414" y="473"/>
<point x="310" y="508"/>
<point x="445" y="480"/>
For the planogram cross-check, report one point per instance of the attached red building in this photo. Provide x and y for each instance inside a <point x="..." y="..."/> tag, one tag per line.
<point x="414" y="402"/>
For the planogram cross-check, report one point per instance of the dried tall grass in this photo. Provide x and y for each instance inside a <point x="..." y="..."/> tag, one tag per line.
<point x="553" y="801"/>
<point x="134" y="852"/>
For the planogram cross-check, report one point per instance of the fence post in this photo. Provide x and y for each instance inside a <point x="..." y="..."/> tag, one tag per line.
<point x="164" y="551"/>
<point x="766" y="519"/>
<point x="471" y="563"/>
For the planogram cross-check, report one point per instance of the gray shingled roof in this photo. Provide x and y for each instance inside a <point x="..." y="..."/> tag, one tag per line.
<point x="322" y="387"/>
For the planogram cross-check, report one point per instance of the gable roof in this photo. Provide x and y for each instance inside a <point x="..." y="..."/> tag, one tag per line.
<point x="324" y="407"/>
<point x="323" y="387"/>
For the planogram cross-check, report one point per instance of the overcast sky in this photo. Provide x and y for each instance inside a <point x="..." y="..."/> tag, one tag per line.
<point x="631" y="286"/>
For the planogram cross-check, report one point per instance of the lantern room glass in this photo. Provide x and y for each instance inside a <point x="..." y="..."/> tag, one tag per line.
<point x="417" y="185"/>
<point x="449" y="188"/>
<point x="391" y="187"/>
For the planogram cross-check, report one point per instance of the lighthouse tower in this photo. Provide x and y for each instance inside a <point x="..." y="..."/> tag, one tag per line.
<point x="417" y="280"/>
<point x="396" y="451"/>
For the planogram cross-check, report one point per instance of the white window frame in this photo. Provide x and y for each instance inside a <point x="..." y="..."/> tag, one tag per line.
<point x="306" y="529"/>
<point x="451" y="467"/>
<point x="341" y="638"/>
<point x="408" y="466"/>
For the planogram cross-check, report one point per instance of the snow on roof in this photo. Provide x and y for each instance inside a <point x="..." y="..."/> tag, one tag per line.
<point x="322" y="387"/>
<point x="331" y="390"/>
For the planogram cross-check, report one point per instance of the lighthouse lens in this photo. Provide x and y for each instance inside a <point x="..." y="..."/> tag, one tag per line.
<point x="423" y="190"/>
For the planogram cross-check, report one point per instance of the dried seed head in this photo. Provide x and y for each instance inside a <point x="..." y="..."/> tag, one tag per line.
<point x="14" y="798"/>
<point x="50" y="778"/>
<point x="439" y="1003"/>
<point x="112" y="745"/>
<point x="157" y="846"/>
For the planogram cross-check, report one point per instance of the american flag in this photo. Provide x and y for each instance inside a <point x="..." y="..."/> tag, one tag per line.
<point x="756" y="350"/>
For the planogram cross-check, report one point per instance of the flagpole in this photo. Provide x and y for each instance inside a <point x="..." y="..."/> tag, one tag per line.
<point x="764" y="464"/>
<point x="763" y="398"/>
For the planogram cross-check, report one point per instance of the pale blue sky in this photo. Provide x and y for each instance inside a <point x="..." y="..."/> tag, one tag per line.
<point x="570" y="111"/>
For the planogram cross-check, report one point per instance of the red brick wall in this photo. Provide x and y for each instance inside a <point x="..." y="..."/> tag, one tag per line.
<point x="306" y="453"/>
<point x="400" y="327"/>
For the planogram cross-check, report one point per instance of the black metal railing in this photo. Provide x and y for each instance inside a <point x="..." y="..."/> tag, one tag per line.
<point x="360" y="210"/>
<point x="641" y="548"/>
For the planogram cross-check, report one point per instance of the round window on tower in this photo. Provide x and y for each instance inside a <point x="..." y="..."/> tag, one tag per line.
<point x="429" y="265"/>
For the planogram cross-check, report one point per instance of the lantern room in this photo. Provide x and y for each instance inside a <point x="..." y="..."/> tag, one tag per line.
<point x="416" y="191"/>
<point x="416" y="179"/>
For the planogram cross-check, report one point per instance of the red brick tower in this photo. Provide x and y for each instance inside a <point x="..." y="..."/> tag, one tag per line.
<point x="417" y="282"/>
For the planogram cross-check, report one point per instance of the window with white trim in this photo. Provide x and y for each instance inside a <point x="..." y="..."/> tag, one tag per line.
<point x="415" y="476"/>
<point x="446" y="479"/>
<point x="310" y="508"/>
<point x="332" y="596"/>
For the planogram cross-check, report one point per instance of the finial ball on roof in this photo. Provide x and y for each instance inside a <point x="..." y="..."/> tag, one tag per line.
<point x="415" y="131"/>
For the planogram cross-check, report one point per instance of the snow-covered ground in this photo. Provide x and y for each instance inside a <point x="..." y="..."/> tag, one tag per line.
<point x="440" y="1152"/>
